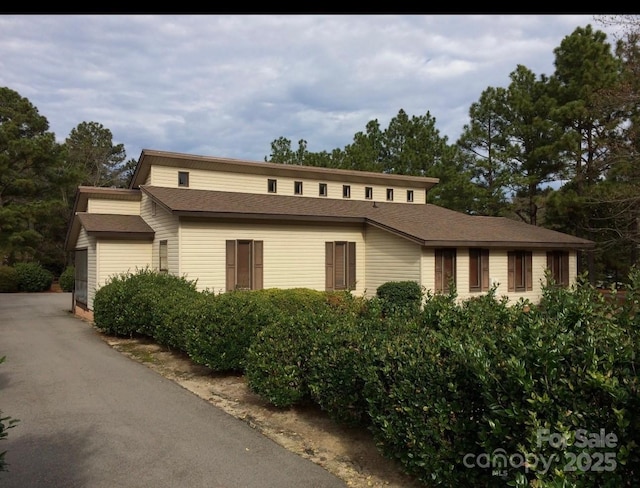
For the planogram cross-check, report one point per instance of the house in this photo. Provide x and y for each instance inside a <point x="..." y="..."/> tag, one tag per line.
<point x="232" y="224"/>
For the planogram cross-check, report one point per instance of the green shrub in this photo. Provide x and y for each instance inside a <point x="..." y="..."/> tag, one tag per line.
<point x="222" y="329"/>
<point x="487" y="378"/>
<point x="277" y="360"/>
<point x="32" y="277"/>
<point x="223" y="326"/>
<point x="67" y="279"/>
<point x="137" y="303"/>
<point x="8" y="280"/>
<point x="424" y="406"/>
<point x="342" y="359"/>
<point x="400" y="297"/>
<point x="441" y="310"/>
<point x="112" y="307"/>
<point x="179" y="318"/>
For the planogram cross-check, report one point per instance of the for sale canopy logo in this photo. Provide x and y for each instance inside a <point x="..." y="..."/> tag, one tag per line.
<point x="591" y="458"/>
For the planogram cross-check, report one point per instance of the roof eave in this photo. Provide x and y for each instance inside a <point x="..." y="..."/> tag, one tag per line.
<point x="125" y="235"/>
<point x="264" y="216"/>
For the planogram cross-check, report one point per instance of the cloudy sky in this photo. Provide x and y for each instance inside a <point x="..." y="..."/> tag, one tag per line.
<point x="228" y="85"/>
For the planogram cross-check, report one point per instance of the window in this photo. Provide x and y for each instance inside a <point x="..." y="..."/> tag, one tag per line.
<point x="244" y="267"/>
<point x="272" y="186"/>
<point x="346" y="191"/>
<point x="183" y="178"/>
<point x="82" y="276"/>
<point x="390" y="194"/>
<point x="409" y="195"/>
<point x="297" y="187"/>
<point x="322" y="190"/>
<point x="558" y="265"/>
<point x="520" y="271"/>
<point x="478" y="269"/>
<point x="340" y="265"/>
<point x="154" y="208"/>
<point x="368" y="192"/>
<point x="445" y="269"/>
<point x="163" y="257"/>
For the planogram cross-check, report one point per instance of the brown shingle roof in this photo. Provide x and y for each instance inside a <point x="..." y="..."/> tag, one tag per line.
<point x="116" y="225"/>
<point x="423" y="223"/>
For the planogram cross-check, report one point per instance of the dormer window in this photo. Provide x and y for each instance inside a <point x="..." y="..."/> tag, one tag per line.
<point x="346" y="191"/>
<point x="322" y="190"/>
<point x="183" y="179"/>
<point x="272" y="186"/>
<point x="297" y="187"/>
<point x="390" y="194"/>
<point x="409" y="195"/>
<point x="368" y="192"/>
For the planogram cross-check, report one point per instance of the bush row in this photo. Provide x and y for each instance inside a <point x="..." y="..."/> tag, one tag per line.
<point x="26" y="277"/>
<point x="476" y="392"/>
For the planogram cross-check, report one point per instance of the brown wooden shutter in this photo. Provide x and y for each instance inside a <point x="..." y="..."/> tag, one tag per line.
<point x="511" y="271"/>
<point x="258" y="275"/>
<point x="485" y="269"/>
<point x="529" y="267"/>
<point x="351" y="266"/>
<point x="231" y="265"/>
<point x="565" y="268"/>
<point x="328" y="265"/>
<point x="438" y="283"/>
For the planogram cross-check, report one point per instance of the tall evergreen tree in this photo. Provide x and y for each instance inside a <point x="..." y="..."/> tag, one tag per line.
<point x="90" y="149"/>
<point x="29" y="159"/>
<point x="585" y="68"/>
<point x="594" y="127"/>
<point x="484" y="147"/>
<point x="533" y="147"/>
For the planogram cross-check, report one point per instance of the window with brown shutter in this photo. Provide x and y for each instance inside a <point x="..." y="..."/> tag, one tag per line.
<point x="478" y="269"/>
<point x="520" y="271"/>
<point x="244" y="265"/>
<point x="340" y="265"/>
<point x="558" y="265"/>
<point x="445" y="269"/>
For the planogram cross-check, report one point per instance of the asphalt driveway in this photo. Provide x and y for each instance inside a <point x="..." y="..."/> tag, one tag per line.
<point x="91" y="417"/>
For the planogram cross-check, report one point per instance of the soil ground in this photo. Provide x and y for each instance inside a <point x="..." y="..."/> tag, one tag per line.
<point x="348" y="453"/>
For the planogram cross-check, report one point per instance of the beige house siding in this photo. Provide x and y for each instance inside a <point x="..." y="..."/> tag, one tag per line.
<point x="294" y="255"/>
<point x="165" y="226"/>
<point x="89" y="243"/>
<point x="427" y="269"/>
<point x="106" y="206"/>
<point x="240" y="182"/>
<point x="390" y="258"/>
<point x="462" y="273"/>
<point x="573" y="267"/>
<point x="119" y="256"/>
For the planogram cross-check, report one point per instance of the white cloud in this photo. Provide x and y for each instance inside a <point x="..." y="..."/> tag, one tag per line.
<point x="228" y="85"/>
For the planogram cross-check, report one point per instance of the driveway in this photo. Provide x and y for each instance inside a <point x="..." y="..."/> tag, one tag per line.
<point x="91" y="417"/>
